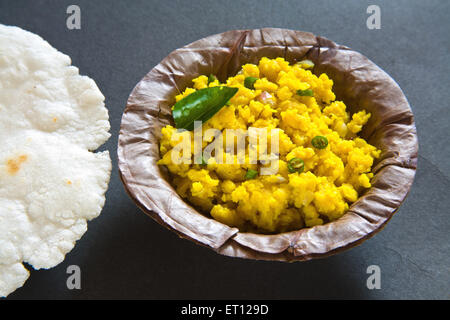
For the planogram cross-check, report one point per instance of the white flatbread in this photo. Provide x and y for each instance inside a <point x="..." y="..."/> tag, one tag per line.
<point x="39" y="89"/>
<point x="50" y="182"/>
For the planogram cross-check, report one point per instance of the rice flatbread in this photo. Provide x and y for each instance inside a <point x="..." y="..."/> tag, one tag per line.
<point x="41" y="90"/>
<point x="51" y="184"/>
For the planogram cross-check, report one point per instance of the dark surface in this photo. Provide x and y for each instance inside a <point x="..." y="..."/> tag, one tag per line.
<point x="125" y="254"/>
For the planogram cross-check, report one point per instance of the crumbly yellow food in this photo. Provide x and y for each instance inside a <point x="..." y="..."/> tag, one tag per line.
<point x="332" y="178"/>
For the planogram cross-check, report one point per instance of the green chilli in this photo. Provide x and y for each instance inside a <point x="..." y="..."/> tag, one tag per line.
<point x="201" y="161"/>
<point x="201" y="105"/>
<point x="250" y="174"/>
<point x="296" y="165"/>
<point x="249" y="82"/>
<point x="319" y="142"/>
<point x="305" y="93"/>
<point x="211" y="78"/>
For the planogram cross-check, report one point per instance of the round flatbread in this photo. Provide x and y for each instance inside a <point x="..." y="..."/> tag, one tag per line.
<point x="51" y="184"/>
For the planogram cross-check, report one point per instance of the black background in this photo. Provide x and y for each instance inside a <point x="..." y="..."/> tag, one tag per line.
<point x="126" y="255"/>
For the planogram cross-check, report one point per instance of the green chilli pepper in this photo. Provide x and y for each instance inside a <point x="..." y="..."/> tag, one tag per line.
<point x="305" y="93"/>
<point x="249" y="82"/>
<point x="319" y="142"/>
<point x="250" y="174"/>
<point x="201" y="105"/>
<point x="201" y="161"/>
<point x="211" y="78"/>
<point x="296" y="165"/>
